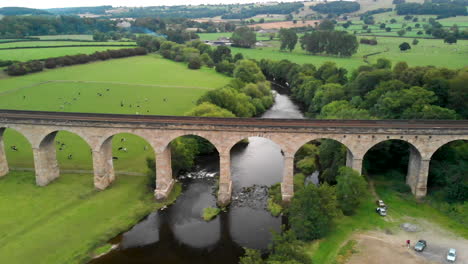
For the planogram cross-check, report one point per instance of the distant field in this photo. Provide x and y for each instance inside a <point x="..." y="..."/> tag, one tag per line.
<point x="215" y="36"/>
<point x="78" y="37"/>
<point x="427" y="52"/>
<point x="37" y="54"/>
<point x="143" y="85"/>
<point x="59" y="43"/>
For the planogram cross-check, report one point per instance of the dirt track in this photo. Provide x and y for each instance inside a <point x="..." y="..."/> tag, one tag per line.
<point x="381" y="248"/>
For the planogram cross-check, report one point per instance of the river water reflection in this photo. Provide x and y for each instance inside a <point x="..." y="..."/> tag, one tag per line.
<point x="179" y="235"/>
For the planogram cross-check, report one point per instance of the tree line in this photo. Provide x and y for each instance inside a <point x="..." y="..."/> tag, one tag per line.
<point x="337" y="7"/>
<point x="250" y="11"/>
<point x="23" y="26"/>
<point x="442" y="9"/>
<point x="22" y="68"/>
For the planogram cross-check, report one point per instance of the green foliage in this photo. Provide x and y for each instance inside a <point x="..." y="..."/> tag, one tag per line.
<point x="330" y="42"/>
<point x="274" y="208"/>
<point x="351" y="189"/>
<point x="248" y="72"/>
<point x="209" y="110"/>
<point x="244" y="37"/>
<point x="332" y="155"/>
<point x="299" y="181"/>
<point x="458" y="93"/>
<point x="336" y="7"/>
<point x="404" y="46"/>
<point x="326" y="94"/>
<point x="288" y="39"/>
<point x="343" y="110"/>
<point x="274" y="192"/>
<point x="312" y="211"/>
<point x="184" y="150"/>
<point x="286" y="249"/>
<point x="251" y="256"/>
<point x="194" y="63"/>
<point x="210" y="213"/>
<point x="236" y="102"/>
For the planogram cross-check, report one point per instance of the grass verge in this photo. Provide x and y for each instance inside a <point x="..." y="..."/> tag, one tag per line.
<point x="67" y="220"/>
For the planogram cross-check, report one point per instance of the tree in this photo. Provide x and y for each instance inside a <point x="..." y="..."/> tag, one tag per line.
<point x="209" y="110"/>
<point x="286" y="249"/>
<point x="401" y="32"/>
<point x="458" y="93"/>
<point x="382" y="26"/>
<point x="404" y="46"/>
<point x="388" y="29"/>
<point x="327" y="93"/>
<point x="248" y="72"/>
<point x="415" y="42"/>
<point x="326" y="24"/>
<point x="194" y="63"/>
<point x="312" y="211"/>
<point x="350" y="190"/>
<point x="343" y="110"/>
<point x="288" y="39"/>
<point x="244" y="37"/>
<point x="221" y="53"/>
<point x="450" y="39"/>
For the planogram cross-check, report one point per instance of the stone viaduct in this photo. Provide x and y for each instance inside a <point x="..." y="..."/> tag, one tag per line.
<point x="40" y="129"/>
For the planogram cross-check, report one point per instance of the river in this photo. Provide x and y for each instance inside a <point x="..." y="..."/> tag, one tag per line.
<point x="179" y="235"/>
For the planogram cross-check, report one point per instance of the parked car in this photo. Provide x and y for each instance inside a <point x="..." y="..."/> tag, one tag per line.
<point x="420" y="246"/>
<point x="452" y="255"/>
<point x="380" y="203"/>
<point x="381" y="211"/>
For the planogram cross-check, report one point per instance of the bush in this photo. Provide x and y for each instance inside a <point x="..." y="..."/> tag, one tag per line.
<point x="209" y="213"/>
<point x="274" y="208"/>
<point x="195" y="63"/>
<point x="4" y="63"/>
<point x="50" y="63"/>
<point x="368" y="41"/>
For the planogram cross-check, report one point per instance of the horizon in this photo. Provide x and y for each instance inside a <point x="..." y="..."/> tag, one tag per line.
<point x="49" y="4"/>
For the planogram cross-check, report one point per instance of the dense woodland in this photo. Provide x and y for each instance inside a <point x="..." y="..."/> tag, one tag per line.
<point x="337" y="7"/>
<point x="442" y="8"/>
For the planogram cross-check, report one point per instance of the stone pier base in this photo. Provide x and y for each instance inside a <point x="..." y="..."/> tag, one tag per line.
<point x="224" y="193"/>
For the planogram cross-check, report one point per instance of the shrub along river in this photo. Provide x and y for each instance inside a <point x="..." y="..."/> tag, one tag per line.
<point x="179" y="235"/>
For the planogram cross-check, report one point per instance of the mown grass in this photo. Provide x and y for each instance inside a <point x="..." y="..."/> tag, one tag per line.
<point x="59" y="43"/>
<point x="38" y="54"/>
<point x="68" y="219"/>
<point x="144" y="85"/>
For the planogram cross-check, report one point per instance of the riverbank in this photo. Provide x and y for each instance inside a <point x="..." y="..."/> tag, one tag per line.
<point x="68" y="219"/>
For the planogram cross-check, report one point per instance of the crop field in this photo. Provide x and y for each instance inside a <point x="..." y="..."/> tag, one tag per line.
<point x="38" y="54"/>
<point x="427" y="52"/>
<point x="151" y="85"/>
<point x="60" y="43"/>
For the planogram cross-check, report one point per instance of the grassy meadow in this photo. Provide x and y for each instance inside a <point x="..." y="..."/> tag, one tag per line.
<point x="60" y="43"/>
<point x="152" y="86"/>
<point x="75" y="37"/>
<point x="427" y="52"/>
<point x="65" y="221"/>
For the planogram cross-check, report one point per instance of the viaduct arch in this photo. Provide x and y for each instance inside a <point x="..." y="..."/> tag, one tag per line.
<point x="97" y="130"/>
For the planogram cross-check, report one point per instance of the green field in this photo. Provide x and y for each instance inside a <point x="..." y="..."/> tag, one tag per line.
<point x="67" y="220"/>
<point x="60" y="43"/>
<point x="38" y="54"/>
<point x="427" y="52"/>
<point x="77" y="37"/>
<point x="215" y="36"/>
<point x="143" y="84"/>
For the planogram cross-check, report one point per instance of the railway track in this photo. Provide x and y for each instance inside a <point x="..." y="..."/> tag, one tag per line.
<point x="256" y="122"/>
